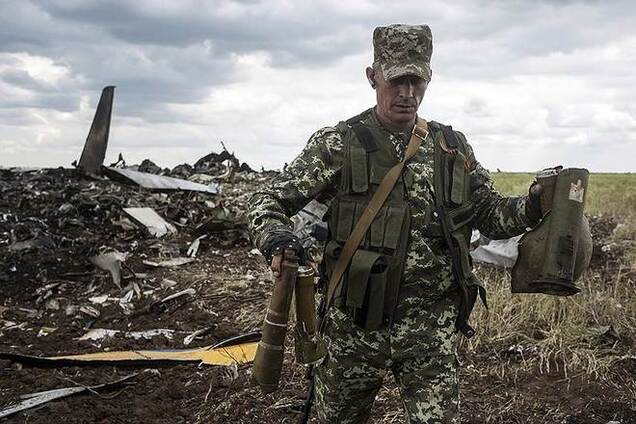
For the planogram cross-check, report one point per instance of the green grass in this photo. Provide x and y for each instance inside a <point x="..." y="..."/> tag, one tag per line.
<point x="609" y="194"/>
<point x="588" y="332"/>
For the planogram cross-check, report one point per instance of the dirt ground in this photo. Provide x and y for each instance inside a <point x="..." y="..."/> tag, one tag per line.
<point x="42" y="289"/>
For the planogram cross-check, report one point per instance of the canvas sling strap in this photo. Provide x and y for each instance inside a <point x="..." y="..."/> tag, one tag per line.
<point x="419" y="133"/>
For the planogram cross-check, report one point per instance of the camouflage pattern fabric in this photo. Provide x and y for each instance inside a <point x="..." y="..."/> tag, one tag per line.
<point x="419" y="349"/>
<point x="403" y="50"/>
<point x="420" y="346"/>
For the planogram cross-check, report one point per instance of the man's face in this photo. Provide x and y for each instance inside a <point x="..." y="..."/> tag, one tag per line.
<point x="399" y="98"/>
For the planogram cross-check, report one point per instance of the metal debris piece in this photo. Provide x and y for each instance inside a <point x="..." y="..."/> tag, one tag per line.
<point x="98" y="334"/>
<point x="149" y="334"/>
<point x="71" y="310"/>
<point x="35" y="399"/>
<point x="90" y="311"/>
<point x="201" y="178"/>
<point x="194" y="246"/>
<point x="95" y="147"/>
<point x="40" y="241"/>
<point x="99" y="300"/>
<point x="52" y="304"/>
<point x="45" y="331"/>
<point x="169" y="263"/>
<point x="7" y="325"/>
<point x="111" y="262"/>
<point x="151" y="221"/>
<point x="226" y="355"/>
<point x="166" y="283"/>
<point x="157" y="182"/>
<point x="190" y="338"/>
<point x="185" y="292"/>
<point x="103" y="333"/>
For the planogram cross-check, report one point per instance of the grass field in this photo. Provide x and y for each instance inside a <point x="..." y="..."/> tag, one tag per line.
<point x="613" y="194"/>
<point x="588" y="332"/>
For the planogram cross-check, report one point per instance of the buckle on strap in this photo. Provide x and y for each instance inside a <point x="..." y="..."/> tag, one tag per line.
<point x="419" y="132"/>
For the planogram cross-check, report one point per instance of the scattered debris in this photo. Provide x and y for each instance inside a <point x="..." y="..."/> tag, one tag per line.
<point x="151" y="221"/>
<point x="90" y="311"/>
<point x="194" y="246"/>
<point x="190" y="338"/>
<point x="40" y="241"/>
<point x="35" y="399"/>
<point x="185" y="292"/>
<point x="225" y="355"/>
<point x="156" y="182"/>
<point x="98" y="334"/>
<point x="103" y="333"/>
<point x="167" y="284"/>
<point x="99" y="300"/>
<point x="52" y="304"/>
<point x="111" y="262"/>
<point x="169" y="263"/>
<point x="45" y="331"/>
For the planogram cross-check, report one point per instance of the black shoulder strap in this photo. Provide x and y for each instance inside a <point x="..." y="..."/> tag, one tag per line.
<point x="452" y="142"/>
<point x="363" y="134"/>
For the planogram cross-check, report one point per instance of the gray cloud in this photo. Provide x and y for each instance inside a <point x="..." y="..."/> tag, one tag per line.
<point x="168" y="59"/>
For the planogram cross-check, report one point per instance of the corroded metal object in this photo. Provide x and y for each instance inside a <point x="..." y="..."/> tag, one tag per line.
<point x="308" y="347"/>
<point x="268" y="362"/>
<point x="554" y="254"/>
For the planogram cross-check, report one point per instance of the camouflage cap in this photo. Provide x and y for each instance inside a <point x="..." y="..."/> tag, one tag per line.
<point x="403" y="50"/>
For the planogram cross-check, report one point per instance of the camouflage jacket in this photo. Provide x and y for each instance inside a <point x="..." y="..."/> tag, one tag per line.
<point x="316" y="172"/>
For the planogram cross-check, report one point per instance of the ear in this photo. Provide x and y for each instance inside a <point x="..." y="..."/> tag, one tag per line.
<point x="371" y="76"/>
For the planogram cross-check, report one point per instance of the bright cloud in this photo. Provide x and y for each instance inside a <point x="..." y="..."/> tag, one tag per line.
<point x="532" y="84"/>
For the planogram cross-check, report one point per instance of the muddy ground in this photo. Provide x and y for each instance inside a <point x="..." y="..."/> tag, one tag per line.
<point x="43" y="287"/>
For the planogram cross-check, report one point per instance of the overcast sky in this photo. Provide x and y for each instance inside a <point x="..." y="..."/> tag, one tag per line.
<point x="531" y="83"/>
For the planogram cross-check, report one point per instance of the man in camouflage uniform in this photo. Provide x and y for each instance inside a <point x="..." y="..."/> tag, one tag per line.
<point x="416" y="333"/>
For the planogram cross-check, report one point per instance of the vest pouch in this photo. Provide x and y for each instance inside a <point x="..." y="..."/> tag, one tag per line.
<point x="358" y="277"/>
<point x="375" y="300"/>
<point x="394" y="221"/>
<point x="376" y="232"/>
<point x="346" y="214"/>
<point x="458" y="192"/>
<point x="359" y="176"/>
<point x="366" y="284"/>
<point x="461" y="216"/>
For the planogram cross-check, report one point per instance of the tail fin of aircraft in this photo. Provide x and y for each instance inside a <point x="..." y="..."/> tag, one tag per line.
<point x="97" y="140"/>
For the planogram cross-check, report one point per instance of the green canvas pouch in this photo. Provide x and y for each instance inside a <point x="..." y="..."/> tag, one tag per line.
<point x="458" y="186"/>
<point x="358" y="277"/>
<point x="346" y="214"/>
<point x="376" y="232"/>
<point x="359" y="176"/>
<point x="375" y="304"/>
<point x="394" y="221"/>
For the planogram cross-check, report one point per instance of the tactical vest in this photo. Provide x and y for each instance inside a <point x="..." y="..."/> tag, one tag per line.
<point x="369" y="291"/>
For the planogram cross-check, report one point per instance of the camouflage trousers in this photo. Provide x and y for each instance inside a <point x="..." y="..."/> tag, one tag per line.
<point x="419" y="348"/>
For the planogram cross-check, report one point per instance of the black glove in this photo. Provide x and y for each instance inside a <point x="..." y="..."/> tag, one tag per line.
<point x="533" y="204"/>
<point x="278" y="242"/>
